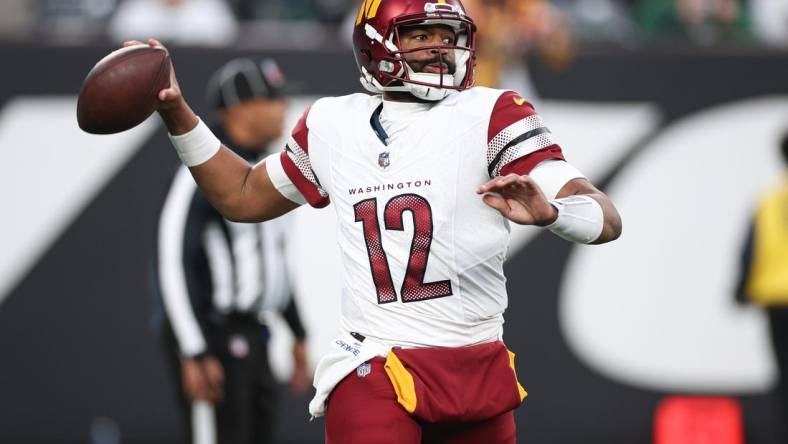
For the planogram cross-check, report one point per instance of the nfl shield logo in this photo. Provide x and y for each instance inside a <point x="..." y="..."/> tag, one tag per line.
<point x="383" y="160"/>
<point x="363" y="370"/>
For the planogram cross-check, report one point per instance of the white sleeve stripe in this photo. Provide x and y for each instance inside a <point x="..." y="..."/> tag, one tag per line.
<point x="551" y="175"/>
<point x="247" y="255"/>
<point x="510" y="133"/>
<point x="282" y="183"/>
<point x="220" y="262"/>
<point x="171" y="273"/>
<point x="301" y="160"/>
<point x="522" y="149"/>
<point x="277" y="290"/>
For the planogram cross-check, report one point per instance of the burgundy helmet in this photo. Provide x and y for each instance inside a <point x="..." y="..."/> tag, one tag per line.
<point x="381" y="61"/>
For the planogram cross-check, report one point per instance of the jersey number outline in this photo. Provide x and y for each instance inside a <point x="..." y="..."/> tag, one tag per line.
<point x="414" y="289"/>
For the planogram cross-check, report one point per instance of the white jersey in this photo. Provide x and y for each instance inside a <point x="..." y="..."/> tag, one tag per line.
<point x="422" y="254"/>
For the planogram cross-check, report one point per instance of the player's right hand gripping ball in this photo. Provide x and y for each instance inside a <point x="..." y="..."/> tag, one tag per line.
<point x="122" y="89"/>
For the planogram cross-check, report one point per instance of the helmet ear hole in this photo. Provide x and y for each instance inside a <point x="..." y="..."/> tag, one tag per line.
<point x="366" y="57"/>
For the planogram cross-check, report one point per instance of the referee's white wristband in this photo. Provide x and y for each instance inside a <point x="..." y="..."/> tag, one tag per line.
<point x="580" y="219"/>
<point x="197" y="146"/>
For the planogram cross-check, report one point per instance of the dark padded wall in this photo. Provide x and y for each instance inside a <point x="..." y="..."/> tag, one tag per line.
<point x="75" y="337"/>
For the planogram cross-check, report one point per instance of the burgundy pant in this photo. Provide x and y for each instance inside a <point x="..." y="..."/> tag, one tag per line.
<point x="364" y="410"/>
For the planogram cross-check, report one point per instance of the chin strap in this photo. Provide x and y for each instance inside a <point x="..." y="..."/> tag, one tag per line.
<point x="423" y="92"/>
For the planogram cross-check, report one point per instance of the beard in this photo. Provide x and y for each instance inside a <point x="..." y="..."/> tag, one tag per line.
<point x="421" y="65"/>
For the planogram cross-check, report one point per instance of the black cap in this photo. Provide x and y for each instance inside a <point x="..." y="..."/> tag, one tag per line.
<point x="242" y="79"/>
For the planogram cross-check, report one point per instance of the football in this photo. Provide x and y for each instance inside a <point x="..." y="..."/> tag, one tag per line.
<point x="121" y="90"/>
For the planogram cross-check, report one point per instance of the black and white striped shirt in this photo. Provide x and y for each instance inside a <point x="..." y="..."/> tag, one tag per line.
<point x="209" y="266"/>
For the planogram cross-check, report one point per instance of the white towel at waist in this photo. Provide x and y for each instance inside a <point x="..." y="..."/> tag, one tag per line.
<point x="346" y="353"/>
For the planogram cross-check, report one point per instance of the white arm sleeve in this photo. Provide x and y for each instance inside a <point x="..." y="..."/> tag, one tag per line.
<point x="551" y="175"/>
<point x="283" y="184"/>
<point x="172" y="274"/>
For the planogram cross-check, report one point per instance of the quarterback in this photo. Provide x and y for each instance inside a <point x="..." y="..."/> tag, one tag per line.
<point x="425" y="175"/>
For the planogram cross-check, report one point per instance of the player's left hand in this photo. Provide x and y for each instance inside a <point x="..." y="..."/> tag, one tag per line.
<point x="519" y="199"/>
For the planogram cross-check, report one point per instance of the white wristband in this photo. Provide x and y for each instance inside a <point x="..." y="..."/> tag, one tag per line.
<point x="580" y="219"/>
<point x="197" y="146"/>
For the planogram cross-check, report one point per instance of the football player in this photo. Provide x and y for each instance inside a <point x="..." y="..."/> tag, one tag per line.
<point x="425" y="175"/>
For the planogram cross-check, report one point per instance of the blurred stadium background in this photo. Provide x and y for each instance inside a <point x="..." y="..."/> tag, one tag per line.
<point x="675" y="107"/>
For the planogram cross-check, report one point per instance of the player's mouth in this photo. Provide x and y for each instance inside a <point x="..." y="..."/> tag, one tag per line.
<point x="437" y="68"/>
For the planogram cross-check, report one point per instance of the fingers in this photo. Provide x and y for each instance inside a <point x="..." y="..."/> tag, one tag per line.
<point x="195" y="392"/>
<point x="300" y="381"/>
<point x="494" y="184"/>
<point x="157" y="44"/>
<point x="215" y="373"/>
<point x="203" y="379"/>
<point x="193" y="381"/>
<point x="214" y="376"/>
<point x="518" y="198"/>
<point x="153" y="43"/>
<point x="509" y="181"/>
<point x="498" y="203"/>
<point x="168" y="94"/>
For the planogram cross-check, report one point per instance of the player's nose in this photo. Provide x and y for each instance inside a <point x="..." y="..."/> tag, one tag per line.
<point x="435" y="44"/>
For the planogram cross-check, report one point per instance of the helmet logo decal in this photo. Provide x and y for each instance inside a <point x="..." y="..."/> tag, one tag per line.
<point x="442" y="6"/>
<point x="368" y="10"/>
<point x="519" y="101"/>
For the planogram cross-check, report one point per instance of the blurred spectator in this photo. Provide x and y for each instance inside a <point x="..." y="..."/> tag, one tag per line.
<point x="244" y="9"/>
<point x="218" y="278"/>
<point x="333" y="10"/>
<point x="702" y="21"/>
<point x="770" y="21"/>
<point x="600" y="20"/>
<point x="73" y="21"/>
<point x="764" y="272"/>
<point x="284" y="9"/>
<point x="318" y="10"/>
<point x="349" y="23"/>
<point x="179" y="22"/>
<point x="508" y="29"/>
<point x="16" y="17"/>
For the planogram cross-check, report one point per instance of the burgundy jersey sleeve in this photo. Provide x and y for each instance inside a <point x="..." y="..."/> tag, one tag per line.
<point x="298" y="166"/>
<point x="517" y="138"/>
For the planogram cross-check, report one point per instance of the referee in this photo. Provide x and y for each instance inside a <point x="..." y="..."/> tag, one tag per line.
<point x="219" y="279"/>
<point x="763" y="279"/>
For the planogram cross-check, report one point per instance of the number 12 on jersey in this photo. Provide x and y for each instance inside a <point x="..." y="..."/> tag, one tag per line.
<point x="414" y="288"/>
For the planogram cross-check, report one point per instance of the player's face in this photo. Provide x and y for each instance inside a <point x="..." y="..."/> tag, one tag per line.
<point x="435" y="61"/>
<point x="265" y="117"/>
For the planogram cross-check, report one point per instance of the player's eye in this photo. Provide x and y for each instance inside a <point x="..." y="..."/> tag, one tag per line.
<point x="448" y="41"/>
<point x="420" y="37"/>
